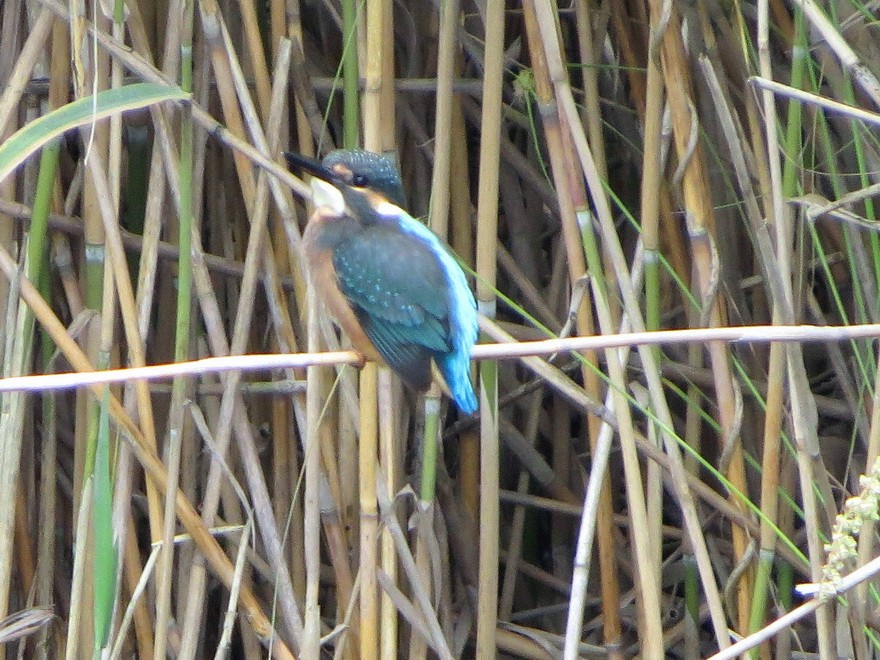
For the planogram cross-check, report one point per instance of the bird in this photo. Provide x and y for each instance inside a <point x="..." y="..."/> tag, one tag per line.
<point x="388" y="280"/>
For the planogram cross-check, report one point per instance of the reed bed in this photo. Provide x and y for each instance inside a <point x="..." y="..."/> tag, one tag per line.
<point x="666" y="212"/>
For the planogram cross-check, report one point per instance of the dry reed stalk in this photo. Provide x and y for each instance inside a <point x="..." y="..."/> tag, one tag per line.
<point x="486" y="267"/>
<point x="586" y="16"/>
<point x="802" y="404"/>
<point x="285" y="460"/>
<point x="441" y="183"/>
<point x="10" y="59"/>
<point x="701" y="227"/>
<point x="369" y="516"/>
<point x="148" y="266"/>
<point x="378" y="131"/>
<point x="391" y="450"/>
<point x="25" y="62"/>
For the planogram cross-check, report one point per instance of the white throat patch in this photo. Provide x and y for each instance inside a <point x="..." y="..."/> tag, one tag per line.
<point x="326" y="194"/>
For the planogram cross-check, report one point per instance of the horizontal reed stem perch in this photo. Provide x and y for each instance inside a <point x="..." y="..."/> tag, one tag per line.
<point x="759" y="334"/>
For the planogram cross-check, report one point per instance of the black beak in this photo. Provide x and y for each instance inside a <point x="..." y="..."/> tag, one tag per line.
<point x="308" y="165"/>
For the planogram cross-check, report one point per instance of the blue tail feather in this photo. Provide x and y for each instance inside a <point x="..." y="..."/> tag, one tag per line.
<point x="456" y="371"/>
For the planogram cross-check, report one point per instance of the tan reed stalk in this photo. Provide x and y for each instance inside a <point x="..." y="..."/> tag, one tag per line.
<point x="24" y="62"/>
<point x="148" y="270"/>
<point x="636" y="57"/>
<point x="285" y="460"/>
<point x="10" y="62"/>
<point x="305" y="139"/>
<point x="284" y="454"/>
<point x="584" y="14"/>
<point x="378" y="113"/>
<point x="95" y="140"/>
<point x="487" y="239"/>
<point x="439" y="224"/>
<point x="181" y="388"/>
<point x="306" y="534"/>
<point x="701" y="227"/>
<point x="803" y="410"/>
<point x="387" y="100"/>
<point x="391" y="449"/>
<point x="652" y="169"/>
<point x="443" y="154"/>
<point x="370" y="534"/>
<point x="369" y="514"/>
<point x="250" y="25"/>
<point x="123" y="484"/>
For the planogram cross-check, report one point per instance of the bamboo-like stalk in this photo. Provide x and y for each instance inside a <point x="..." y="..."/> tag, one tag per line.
<point x="93" y="268"/>
<point x="284" y="455"/>
<point x="351" y="104"/>
<point x="148" y="267"/>
<point x="378" y="114"/>
<point x="440" y="178"/>
<point x="592" y="116"/>
<point x="9" y="56"/>
<point x="390" y="459"/>
<point x="701" y="227"/>
<point x="181" y="339"/>
<point x="24" y="65"/>
<point x="369" y="515"/>
<point x="487" y="236"/>
<point x="438" y="222"/>
<point x="803" y="405"/>
<point x="239" y="424"/>
<point x="256" y="56"/>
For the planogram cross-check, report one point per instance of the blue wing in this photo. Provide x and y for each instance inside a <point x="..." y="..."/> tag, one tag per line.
<point x="397" y="287"/>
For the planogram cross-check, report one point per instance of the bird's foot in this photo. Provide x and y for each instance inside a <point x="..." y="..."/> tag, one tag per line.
<point x="361" y="361"/>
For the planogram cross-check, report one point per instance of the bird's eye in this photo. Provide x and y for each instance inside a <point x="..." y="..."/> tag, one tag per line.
<point x="359" y="180"/>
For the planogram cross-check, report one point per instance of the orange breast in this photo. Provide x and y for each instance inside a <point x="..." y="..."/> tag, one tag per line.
<point x="326" y="284"/>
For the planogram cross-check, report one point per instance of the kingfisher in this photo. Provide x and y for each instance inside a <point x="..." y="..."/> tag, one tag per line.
<point x="388" y="281"/>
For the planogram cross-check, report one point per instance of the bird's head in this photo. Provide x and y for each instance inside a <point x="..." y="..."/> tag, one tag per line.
<point x="351" y="183"/>
<point x="367" y="170"/>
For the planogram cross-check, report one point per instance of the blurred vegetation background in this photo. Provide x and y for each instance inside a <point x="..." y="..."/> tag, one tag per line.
<point x="597" y="167"/>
